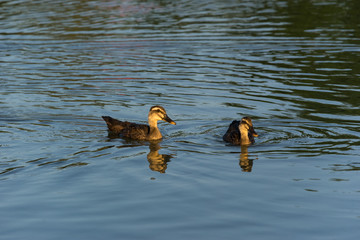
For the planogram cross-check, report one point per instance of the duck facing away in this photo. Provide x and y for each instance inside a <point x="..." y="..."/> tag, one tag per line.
<point x="240" y="132"/>
<point x="139" y="131"/>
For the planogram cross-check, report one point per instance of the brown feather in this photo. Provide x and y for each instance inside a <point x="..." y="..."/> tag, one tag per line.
<point x="233" y="135"/>
<point x="126" y="129"/>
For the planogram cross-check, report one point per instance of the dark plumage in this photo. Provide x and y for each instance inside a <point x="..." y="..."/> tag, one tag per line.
<point x="126" y="129"/>
<point x="240" y="132"/>
<point x="139" y="131"/>
<point x="233" y="135"/>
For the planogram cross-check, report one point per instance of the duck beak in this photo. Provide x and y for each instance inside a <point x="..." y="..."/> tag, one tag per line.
<point x="169" y="120"/>
<point x="252" y="131"/>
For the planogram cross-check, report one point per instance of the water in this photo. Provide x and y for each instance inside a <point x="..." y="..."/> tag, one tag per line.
<point x="293" y="66"/>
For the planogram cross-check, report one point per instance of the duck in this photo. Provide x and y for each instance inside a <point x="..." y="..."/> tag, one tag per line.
<point x="240" y="132"/>
<point x="137" y="131"/>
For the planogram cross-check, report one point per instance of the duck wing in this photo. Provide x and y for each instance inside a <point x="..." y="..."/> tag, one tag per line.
<point x="136" y="131"/>
<point x="233" y="134"/>
<point x="127" y="129"/>
<point x="114" y="125"/>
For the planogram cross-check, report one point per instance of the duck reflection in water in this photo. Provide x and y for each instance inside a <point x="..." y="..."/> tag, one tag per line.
<point x="242" y="133"/>
<point x="157" y="162"/>
<point x="245" y="163"/>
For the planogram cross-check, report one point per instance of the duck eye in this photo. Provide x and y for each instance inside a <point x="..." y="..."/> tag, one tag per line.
<point x="161" y="114"/>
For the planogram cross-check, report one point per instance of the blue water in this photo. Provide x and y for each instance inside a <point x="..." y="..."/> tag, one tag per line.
<point x="292" y="66"/>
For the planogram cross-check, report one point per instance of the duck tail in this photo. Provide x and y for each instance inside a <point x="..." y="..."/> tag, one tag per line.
<point x="109" y="121"/>
<point x="113" y="124"/>
<point x="112" y="121"/>
<point x="107" y="118"/>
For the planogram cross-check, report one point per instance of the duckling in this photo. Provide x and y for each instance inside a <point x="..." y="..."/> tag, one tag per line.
<point x="139" y="131"/>
<point x="240" y="132"/>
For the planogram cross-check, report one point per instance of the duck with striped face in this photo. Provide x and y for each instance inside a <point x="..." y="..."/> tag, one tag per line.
<point x="157" y="113"/>
<point x="247" y="131"/>
<point x="139" y="131"/>
<point x="240" y="132"/>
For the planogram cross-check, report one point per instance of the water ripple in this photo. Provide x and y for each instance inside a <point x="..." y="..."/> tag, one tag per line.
<point x="292" y="66"/>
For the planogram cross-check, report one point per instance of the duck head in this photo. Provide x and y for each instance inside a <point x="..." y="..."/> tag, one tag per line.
<point x="157" y="113"/>
<point x="247" y="130"/>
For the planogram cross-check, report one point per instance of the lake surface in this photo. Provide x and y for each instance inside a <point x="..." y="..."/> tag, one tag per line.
<point x="292" y="66"/>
